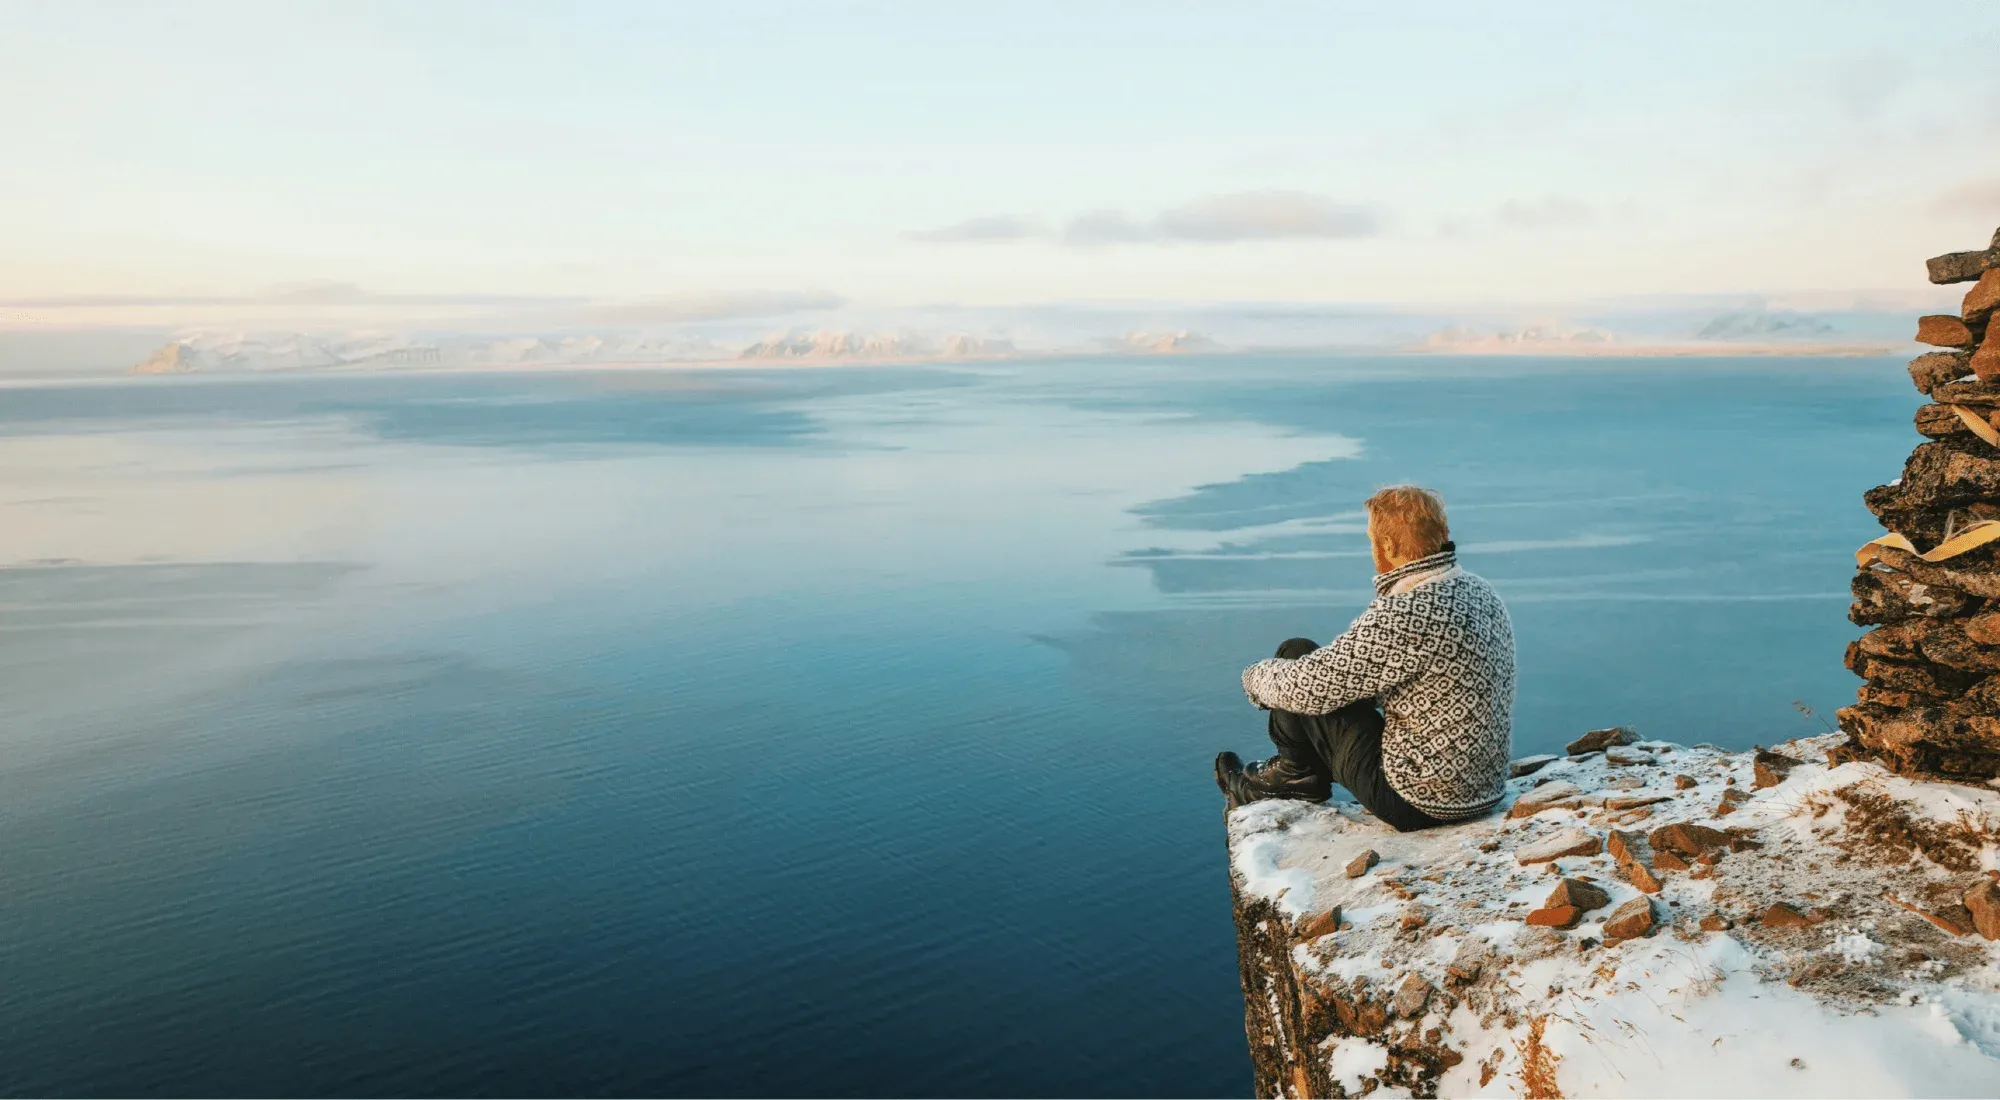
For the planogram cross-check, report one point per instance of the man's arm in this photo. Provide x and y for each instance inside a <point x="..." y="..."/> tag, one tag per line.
<point x="1370" y="657"/>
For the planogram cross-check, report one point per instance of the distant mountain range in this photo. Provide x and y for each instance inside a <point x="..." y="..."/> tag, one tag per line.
<point x="949" y="335"/>
<point x="241" y="353"/>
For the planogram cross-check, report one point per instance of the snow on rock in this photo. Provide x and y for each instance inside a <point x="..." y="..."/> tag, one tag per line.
<point x="1423" y="976"/>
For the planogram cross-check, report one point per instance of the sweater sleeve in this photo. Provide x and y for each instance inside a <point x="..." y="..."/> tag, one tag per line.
<point x="1372" y="656"/>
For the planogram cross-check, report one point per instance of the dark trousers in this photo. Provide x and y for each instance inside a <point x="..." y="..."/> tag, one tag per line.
<point x="1345" y="746"/>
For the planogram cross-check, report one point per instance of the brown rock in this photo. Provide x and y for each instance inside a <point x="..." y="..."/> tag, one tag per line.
<point x="1962" y="267"/>
<point x="1986" y="394"/>
<point x="1599" y="740"/>
<point x="1634" y="801"/>
<point x="1986" y="361"/>
<point x="1941" y="421"/>
<point x="1529" y="765"/>
<point x="1630" y="920"/>
<point x="1943" y="330"/>
<point x="1548" y="796"/>
<point x="1669" y="861"/>
<point x="1414" y="917"/>
<point x="1716" y="922"/>
<point x="1780" y="915"/>
<point x="1564" y="916"/>
<point x="1685" y="783"/>
<point x="1359" y="1017"/>
<point x="1918" y="677"/>
<point x="1411" y="997"/>
<point x="1770" y="768"/>
<point x="1568" y="842"/>
<point x="1899" y="641"/>
<point x="1980" y="300"/>
<point x="1983" y="903"/>
<point x="1869" y="693"/>
<point x="1320" y="924"/>
<point x="1359" y="865"/>
<point x="1983" y="628"/>
<point x="1732" y="798"/>
<point x="1953" y="648"/>
<point x="1943" y="473"/>
<point x="1933" y="369"/>
<point x="1630" y="850"/>
<point x="1687" y="840"/>
<point x="1468" y="960"/>
<point x="1577" y="894"/>
<point x="1884" y="595"/>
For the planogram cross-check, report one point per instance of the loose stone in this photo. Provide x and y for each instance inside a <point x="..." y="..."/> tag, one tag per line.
<point x="1982" y="902"/>
<point x="1599" y="740"/>
<point x="1630" y="851"/>
<point x="1529" y="765"/>
<point x="1630" y="920"/>
<point x="1943" y="330"/>
<point x="1411" y="997"/>
<point x="1360" y="864"/>
<point x="1577" y="894"/>
<point x="1568" y="842"/>
<point x="1561" y="916"/>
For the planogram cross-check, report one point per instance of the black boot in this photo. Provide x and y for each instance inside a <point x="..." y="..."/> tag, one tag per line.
<point x="1278" y="777"/>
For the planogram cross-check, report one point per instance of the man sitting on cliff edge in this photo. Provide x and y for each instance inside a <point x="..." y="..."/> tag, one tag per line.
<point x="1435" y="649"/>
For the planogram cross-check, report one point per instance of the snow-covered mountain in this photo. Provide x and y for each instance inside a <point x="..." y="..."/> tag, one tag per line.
<point x="246" y="353"/>
<point x="1163" y="343"/>
<point x="835" y="345"/>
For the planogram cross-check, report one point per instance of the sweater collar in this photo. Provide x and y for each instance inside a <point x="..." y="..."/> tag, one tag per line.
<point x="1417" y="571"/>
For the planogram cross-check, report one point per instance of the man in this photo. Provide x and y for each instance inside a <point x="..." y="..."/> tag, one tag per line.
<point x="1435" y="649"/>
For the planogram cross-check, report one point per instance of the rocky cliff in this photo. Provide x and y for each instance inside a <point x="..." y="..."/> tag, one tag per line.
<point x="1930" y="588"/>
<point x="1649" y="919"/>
<point x="1643" y="919"/>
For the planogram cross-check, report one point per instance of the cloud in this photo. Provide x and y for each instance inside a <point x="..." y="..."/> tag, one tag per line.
<point x="321" y="292"/>
<point x="996" y="227"/>
<point x="314" y="293"/>
<point x="1265" y="216"/>
<point x="551" y="309"/>
<point x="1212" y="219"/>
<point x="1975" y="197"/>
<point x="709" y="307"/>
<point x="1105" y="227"/>
<point x="1548" y="212"/>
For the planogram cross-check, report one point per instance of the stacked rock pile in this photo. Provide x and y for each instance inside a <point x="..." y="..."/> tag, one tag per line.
<point x="1931" y="587"/>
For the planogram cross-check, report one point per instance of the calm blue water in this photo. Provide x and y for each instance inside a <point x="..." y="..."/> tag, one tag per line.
<point x="809" y="732"/>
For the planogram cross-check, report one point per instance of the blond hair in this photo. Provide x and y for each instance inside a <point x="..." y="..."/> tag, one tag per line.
<point x="1407" y="522"/>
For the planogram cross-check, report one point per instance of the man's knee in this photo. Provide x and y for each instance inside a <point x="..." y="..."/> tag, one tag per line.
<point x="1295" y="648"/>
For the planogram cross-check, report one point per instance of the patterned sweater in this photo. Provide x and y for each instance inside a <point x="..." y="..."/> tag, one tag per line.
<point x="1437" y="649"/>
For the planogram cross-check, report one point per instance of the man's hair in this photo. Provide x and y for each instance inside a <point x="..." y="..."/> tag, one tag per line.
<point x="1408" y="521"/>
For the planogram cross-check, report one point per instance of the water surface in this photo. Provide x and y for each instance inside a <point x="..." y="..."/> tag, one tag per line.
<point x="800" y="732"/>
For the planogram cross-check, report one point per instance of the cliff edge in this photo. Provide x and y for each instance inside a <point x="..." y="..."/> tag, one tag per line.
<point x="1640" y="919"/>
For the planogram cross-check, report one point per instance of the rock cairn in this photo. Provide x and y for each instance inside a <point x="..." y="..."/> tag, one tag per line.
<point x="1930" y="706"/>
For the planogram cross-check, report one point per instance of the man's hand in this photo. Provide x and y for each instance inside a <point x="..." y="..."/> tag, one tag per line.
<point x="1250" y="694"/>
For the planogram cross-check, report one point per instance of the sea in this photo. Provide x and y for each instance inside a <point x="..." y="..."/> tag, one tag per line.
<point x="832" y="731"/>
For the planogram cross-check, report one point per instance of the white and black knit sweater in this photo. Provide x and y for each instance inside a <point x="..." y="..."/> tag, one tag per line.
<point x="1437" y="649"/>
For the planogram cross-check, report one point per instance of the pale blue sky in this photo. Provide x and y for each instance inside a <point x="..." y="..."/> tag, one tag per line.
<point x="1434" y="153"/>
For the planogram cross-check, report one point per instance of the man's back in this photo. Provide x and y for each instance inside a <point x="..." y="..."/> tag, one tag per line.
<point x="1448" y="729"/>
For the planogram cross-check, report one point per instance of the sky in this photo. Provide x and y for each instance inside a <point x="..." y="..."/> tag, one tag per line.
<point x="666" y="162"/>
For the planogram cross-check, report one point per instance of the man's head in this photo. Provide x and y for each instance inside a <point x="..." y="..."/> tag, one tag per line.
<point x="1405" y="523"/>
